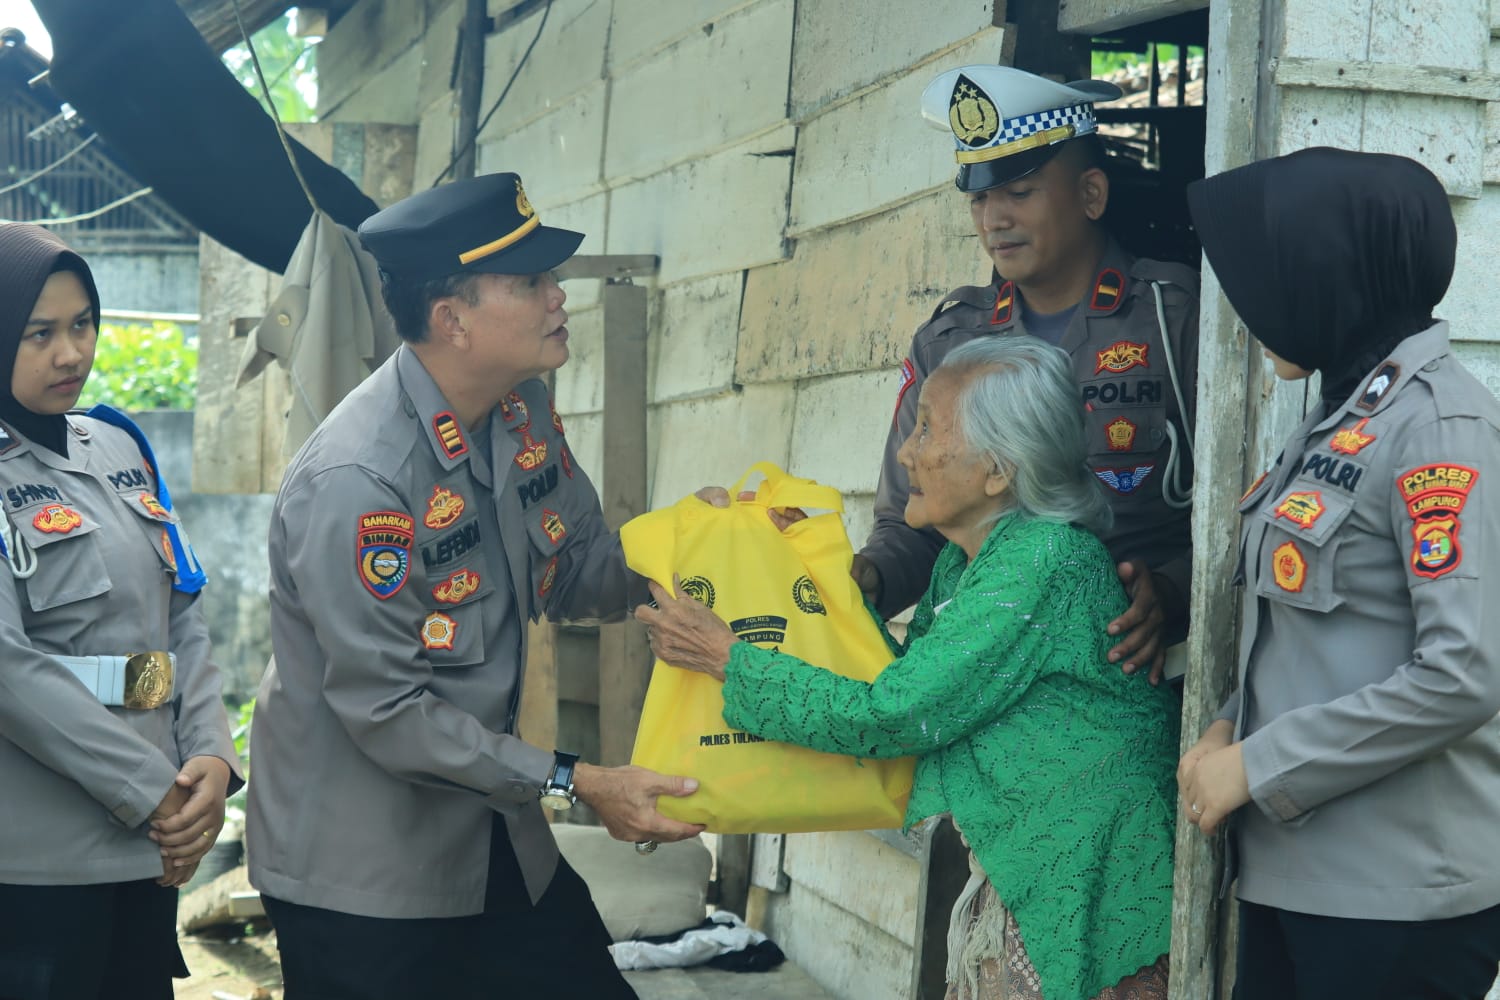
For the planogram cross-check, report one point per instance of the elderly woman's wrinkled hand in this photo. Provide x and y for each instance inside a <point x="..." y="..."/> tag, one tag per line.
<point x="684" y="633"/>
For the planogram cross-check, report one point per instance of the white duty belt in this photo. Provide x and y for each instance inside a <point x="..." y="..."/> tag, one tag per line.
<point x="138" y="680"/>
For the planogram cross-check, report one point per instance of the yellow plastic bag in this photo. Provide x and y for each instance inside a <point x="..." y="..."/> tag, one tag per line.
<point x="791" y="591"/>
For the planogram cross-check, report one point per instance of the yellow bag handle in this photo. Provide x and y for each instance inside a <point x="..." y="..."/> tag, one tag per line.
<point x="782" y="490"/>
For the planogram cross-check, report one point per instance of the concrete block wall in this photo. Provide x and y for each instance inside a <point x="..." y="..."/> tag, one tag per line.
<point x="772" y="153"/>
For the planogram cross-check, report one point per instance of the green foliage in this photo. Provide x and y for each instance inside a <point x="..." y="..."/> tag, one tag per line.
<point x="1105" y="63"/>
<point x="143" y="366"/>
<point x="290" y="66"/>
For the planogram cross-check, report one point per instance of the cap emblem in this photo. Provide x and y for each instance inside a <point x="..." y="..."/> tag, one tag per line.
<point x="523" y="204"/>
<point x="972" y="114"/>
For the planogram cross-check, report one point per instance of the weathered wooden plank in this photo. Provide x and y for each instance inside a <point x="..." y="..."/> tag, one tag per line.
<point x="1393" y="78"/>
<point x="624" y="655"/>
<point x="1094" y="17"/>
<point x="839" y="428"/>
<point x="228" y="899"/>
<point x="766" y="871"/>
<point x="537" y="723"/>
<point x="754" y="425"/>
<point x="676" y="98"/>
<point x="840" y="49"/>
<point x="1445" y="32"/>
<point x="389" y="95"/>
<point x="724" y="212"/>
<point x="1470" y="294"/>
<point x="568" y="58"/>
<point x="884" y="126"/>
<point x="1234" y="90"/>
<point x="854" y="294"/>
<point x="864" y="876"/>
<point x="558" y="153"/>
<point x="367" y="40"/>
<point x="580" y="382"/>
<point x="847" y="956"/>
<point x="694" y="336"/>
<point x="641" y="28"/>
<point x="945" y="869"/>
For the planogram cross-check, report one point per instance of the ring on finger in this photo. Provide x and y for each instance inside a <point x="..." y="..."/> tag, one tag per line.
<point x="1197" y="809"/>
<point x="645" y="846"/>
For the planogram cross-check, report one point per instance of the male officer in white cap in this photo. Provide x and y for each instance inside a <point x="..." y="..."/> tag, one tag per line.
<point x="395" y="826"/>
<point x="1030" y="163"/>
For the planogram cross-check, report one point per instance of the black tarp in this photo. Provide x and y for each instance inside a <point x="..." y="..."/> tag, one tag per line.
<point x="144" y="79"/>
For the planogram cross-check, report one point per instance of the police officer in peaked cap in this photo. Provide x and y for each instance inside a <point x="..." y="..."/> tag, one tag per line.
<point x="396" y="827"/>
<point x="1031" y="167"/>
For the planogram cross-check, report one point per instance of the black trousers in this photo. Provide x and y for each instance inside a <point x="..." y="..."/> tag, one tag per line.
<point x="114" y="941"/>
<point x="1301" y="956"/>
<point x="511" y="951"/>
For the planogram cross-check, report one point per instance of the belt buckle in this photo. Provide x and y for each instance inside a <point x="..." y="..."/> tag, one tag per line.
<point x="148" y="680"/>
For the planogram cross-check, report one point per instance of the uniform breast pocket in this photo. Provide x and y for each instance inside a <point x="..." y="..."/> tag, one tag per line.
<point x="1300" y="546"/>
<point x="69" y="564"/>
<point x="453" y="628"/>
<point x="547" y="529"/>
<point x="154" y="520"/>
<point x="1116" y="434"/>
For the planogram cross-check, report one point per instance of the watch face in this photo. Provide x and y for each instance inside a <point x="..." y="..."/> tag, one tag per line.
<point x="557" y="799"/>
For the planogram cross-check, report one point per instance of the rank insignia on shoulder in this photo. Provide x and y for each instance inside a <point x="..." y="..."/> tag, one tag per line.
<point x="1121" y="434"/>
<point x="1107" y="290"/>
<point x="1349" y="440"/>
<point x="153" y="506"/>
<point x="549" y="576"/>
<point x="908" y="379"/>
<point x="1125" y="481"/>
<point x="55" y="519"/>
<point x="456" y="587"/>
<point x="384" y="551"/>
<point x="553" y="526"/>
<point x="1288" y="567"/>
<point x="439" y="631"/>
<point x="1302" y="508"/>
<point x="1005" y="303"/>
<point x="443" y="508"/>
<point x="1121" y="356"/>
<point x="1378" y="386"/>
<point x="557" y="424"/>
<point x="450" y="435"/>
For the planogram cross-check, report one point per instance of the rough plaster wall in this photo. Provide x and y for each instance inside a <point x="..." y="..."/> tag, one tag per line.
<point x="771" y="152"/>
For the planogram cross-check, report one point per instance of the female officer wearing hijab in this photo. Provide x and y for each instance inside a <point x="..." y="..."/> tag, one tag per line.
<point x="115" y="754"/>
<point x="1359" y="760"/>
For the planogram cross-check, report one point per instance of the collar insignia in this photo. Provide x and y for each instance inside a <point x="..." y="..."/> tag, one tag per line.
<point x="1107" y="289"/>
<point x="450" y="435"/>
<point x="1005" y="303"/>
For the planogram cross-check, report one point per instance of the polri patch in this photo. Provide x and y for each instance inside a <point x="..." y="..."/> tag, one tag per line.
<point x="516" y="407"/>
<point x="1302" y="508"/>
<point x="1350" y="440"/>
<point x="443" y="508"/>
<point x="384" y="551"/>
<point x="1380" y="384"/>
<point x="457" y="587"/>
<point x="1121" y="356"/>
<point x="1121" y="434"/>
<point x="450" y="436"/>
<point x="1289" y="567"/>
<point x="553" y="526"/>
<point x="1107" y="289"/>
<point x="1125" y="481"/>
<point x="55" y="519"/>
<point x="439" y="631"/>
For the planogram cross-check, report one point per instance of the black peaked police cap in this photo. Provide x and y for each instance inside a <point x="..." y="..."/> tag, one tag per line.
<point x="482" y="224"/>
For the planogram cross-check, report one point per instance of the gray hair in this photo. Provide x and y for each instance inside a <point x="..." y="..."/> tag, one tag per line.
<point x="1018" y="406"/>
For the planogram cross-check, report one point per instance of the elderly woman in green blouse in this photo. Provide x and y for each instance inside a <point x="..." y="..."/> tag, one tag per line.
<point x="1058" y="768"/>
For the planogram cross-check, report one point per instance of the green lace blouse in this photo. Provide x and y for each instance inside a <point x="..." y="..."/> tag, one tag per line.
<point x="1059" y="768"/>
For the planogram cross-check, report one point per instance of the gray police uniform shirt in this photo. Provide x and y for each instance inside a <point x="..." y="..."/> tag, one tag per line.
<point x="406" y="560"/>
<point x="80" y="779"/>
<point x="1369" y="668"/>
<point x="1114" y="339"/>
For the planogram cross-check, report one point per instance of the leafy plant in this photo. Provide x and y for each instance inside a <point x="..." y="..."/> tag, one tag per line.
<point x="143" y="366"/>
<point x="290" y="66"/>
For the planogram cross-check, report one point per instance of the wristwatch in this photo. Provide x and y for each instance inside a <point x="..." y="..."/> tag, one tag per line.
<point x="557" y="790"/>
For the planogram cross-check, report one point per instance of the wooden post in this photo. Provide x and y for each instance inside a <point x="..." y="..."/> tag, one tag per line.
<point x="537" y="724"/>
<point x="624" y="654"/>
<point x="470" y="87"/>
<point x="945" y="869"/>
<point x="1226" y="411"/>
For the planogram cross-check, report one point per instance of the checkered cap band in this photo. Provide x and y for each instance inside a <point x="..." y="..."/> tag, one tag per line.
<point x="1080" y="116"/>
